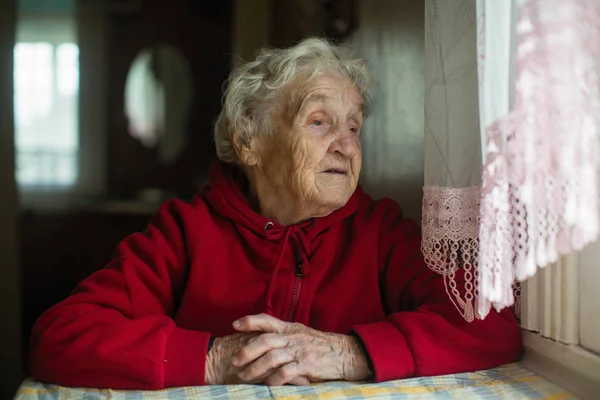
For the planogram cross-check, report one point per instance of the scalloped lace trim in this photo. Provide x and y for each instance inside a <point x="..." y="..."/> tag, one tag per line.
<point x="451" y="225"/>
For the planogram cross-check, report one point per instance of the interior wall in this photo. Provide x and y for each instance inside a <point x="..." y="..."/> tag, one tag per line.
<point x="391" y="36"/>
<point x="251" y="28"/>
<point x="91" y="37"/>
<point x="202" y="32"/>
<point x="10" y="357"/>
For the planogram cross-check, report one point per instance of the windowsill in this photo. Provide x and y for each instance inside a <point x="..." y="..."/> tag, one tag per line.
<point x="569" y="366"/>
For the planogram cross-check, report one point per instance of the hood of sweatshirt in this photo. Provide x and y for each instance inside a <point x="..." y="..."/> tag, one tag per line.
<point x="225" y="194"/>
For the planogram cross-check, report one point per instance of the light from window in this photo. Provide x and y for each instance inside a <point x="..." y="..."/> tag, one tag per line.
<point x="46" y="79"/>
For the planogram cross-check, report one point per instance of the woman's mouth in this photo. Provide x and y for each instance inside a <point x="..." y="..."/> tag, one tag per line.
<point x="336" y="171"/>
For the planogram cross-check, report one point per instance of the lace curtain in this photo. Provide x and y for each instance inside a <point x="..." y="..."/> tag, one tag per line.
<point x="450" y="215"/>
<point x="512" y="103"/>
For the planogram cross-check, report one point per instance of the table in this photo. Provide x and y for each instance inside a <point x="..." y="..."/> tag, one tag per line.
<point x="511" y="381"/>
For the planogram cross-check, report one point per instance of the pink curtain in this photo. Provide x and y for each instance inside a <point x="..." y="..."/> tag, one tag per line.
<point x="533" y="192"/>
<point x="540" y="188"/>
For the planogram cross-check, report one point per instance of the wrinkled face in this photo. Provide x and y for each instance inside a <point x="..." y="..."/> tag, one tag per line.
<point x="314" y="157"/>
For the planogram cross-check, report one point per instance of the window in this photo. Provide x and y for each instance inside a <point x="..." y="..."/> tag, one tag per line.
<point x="46" y="88"/>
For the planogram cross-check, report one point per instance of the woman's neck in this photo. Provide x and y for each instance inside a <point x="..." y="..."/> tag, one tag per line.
<point x="271" y="203"/>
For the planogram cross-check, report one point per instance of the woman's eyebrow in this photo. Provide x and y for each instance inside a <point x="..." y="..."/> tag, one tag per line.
<point x="315" y="98"/>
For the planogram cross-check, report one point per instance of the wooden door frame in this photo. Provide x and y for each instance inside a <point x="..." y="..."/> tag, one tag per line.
<point x="11" y="371"/>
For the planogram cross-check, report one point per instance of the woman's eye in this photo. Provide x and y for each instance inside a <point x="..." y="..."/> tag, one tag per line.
<point x="354" y="130"/>
<point x="317" y="122"/>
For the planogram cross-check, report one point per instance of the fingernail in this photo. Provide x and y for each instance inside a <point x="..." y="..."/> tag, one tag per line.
<point x="237" y="324"/>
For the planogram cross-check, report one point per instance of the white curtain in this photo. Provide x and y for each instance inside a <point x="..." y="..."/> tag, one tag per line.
<point x="496" y="23"/>
<point x="452" y="147"/>
<point x="513" y="84"/>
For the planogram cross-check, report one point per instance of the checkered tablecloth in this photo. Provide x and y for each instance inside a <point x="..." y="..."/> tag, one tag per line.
<point x="511" y="381"/>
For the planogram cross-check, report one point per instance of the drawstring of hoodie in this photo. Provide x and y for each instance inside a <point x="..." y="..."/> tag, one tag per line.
<point x="295" y="232"/>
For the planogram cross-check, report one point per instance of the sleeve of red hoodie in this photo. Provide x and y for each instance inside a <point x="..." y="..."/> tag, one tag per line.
<point x="115" y="330"/>
<point x="424" y="334"/>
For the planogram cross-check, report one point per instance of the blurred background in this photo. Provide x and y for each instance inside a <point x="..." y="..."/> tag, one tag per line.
<point x="107" y="107"/>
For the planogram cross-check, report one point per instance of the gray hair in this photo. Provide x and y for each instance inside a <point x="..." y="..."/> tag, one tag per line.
<point x="255" y="89"/>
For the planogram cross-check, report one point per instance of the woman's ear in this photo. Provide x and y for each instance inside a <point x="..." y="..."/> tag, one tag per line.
<point x="244" y="149"/>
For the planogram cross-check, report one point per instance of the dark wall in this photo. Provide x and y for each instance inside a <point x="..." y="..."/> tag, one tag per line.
<point x="59" y="249"/>
<point x="202" y="31"/>
<point x="10" y="329"/>
<point x="293" y="21"/>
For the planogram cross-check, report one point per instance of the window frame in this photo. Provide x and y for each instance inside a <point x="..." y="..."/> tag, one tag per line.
<point x="56" y="29"/>
<point x="87" y="28"/>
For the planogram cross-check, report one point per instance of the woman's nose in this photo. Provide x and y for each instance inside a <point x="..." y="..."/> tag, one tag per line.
<point x="345" y="144"/>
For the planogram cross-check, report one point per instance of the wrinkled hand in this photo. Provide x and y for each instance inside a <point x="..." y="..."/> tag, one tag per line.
<point x="219" y="368"/>
<point x="287" y="351"/>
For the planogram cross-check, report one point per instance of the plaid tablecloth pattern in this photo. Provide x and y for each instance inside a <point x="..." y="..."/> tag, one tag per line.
<point x="511" y="381"/>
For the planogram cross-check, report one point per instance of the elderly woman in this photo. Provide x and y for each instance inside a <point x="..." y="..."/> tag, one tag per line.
<point x="282" y="271"/>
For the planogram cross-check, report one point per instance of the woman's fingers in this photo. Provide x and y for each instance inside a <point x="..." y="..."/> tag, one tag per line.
<point x="285" y="374"/>
<point x="260" y="322"/>
<point x="265" y="365"/>
<point x="300" y="381"/>
<point x="257" y="348"/>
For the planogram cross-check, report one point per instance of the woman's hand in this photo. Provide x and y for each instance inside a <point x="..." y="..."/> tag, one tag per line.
<point x="288" y="351"/>
<point x="219" y="368"/>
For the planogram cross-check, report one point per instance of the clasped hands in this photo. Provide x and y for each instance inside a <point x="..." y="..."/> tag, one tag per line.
<point x="273" y="352"/>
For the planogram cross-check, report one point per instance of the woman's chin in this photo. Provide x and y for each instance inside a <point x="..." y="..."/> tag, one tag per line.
<point x="332" y="201"/>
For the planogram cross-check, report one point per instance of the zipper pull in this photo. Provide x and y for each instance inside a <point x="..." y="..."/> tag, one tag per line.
<point x="299" y="272"/>
<point x="299" y="264"/>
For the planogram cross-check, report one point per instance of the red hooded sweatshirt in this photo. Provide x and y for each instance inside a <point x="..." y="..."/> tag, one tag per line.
<point x="145" y="320"/>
